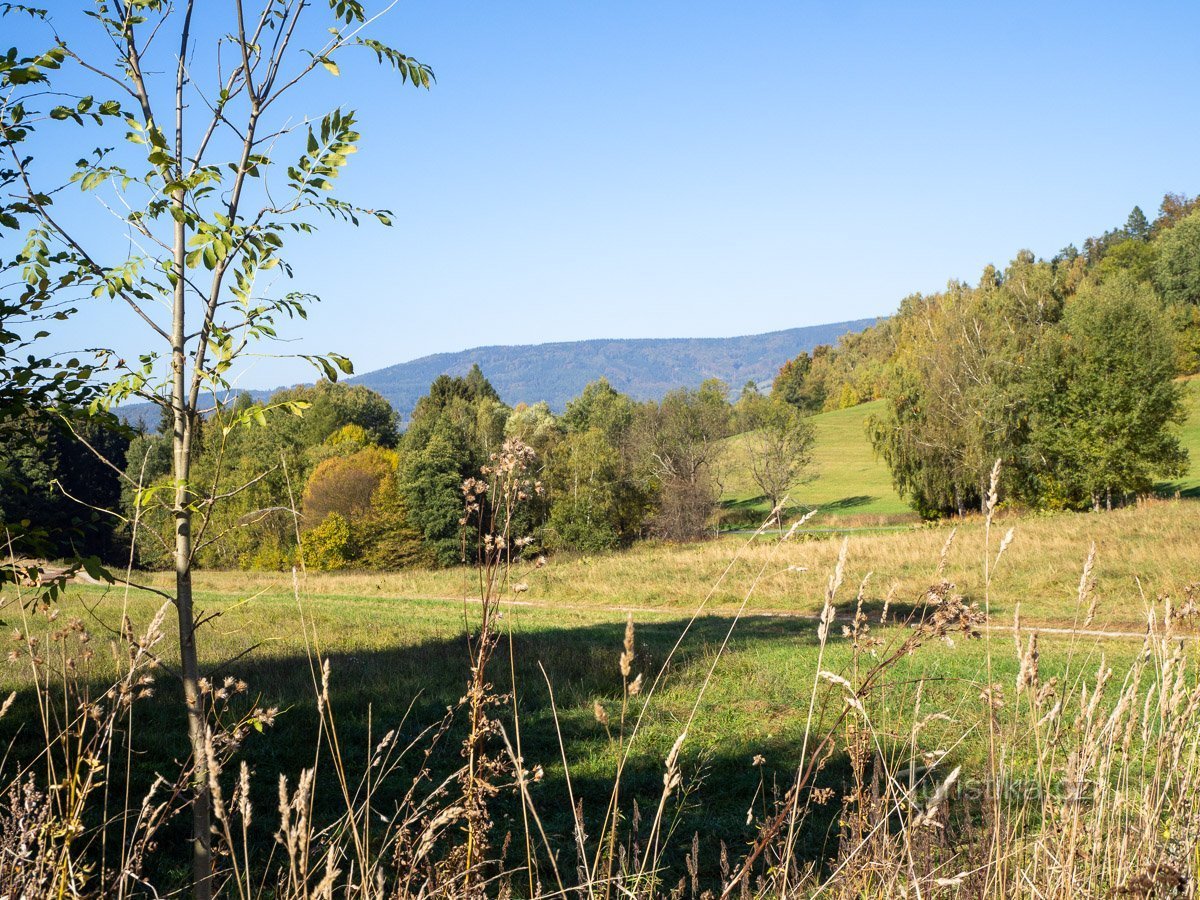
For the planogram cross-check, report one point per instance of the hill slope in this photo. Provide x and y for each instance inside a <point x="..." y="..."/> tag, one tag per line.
<point x="853" y="487"/>
<point x="1189" y="485"/>
<point x="644" y="368"/>
<point x="850" y="483"/>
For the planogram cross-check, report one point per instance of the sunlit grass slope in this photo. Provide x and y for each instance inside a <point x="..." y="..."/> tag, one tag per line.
<point x="851" y="485"/>
<point x="1141" y="552"/>
<point x="1189" y="484"/>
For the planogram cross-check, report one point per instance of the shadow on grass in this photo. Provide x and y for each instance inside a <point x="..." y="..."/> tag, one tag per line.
<point x="410" y="688"/>
<point x="752" y="510"/>
<point x="846" y="503"/>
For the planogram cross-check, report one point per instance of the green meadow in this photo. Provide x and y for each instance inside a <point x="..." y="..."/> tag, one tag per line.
<point x="730" y="625"/>
<point x="851" y="487"/>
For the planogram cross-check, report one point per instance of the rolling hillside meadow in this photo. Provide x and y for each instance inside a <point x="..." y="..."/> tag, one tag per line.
<point x="591" y="610"/>
<point x="732" y="628"/>
<point x="851" y="487"/>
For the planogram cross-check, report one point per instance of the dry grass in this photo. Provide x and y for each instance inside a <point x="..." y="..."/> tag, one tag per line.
<point x="1141" y="552"/>
<point x="906" y="750"/>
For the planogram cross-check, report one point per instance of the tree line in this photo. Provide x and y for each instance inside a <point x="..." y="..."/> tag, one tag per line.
<point x="1064" y="368"/>
<point x="322" y="475"/>
<point x="339" y="485"/>
<point x="1067" y="369"/>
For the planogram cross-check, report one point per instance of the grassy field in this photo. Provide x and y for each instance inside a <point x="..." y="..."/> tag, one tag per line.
<point x="397" y="650"/>
<point x="853" y="488"/>
<point x="1141" y="552"/>
<point x="1189" y="484"/>
<point x="850" y="485"/>
<point x="731" y="625"/>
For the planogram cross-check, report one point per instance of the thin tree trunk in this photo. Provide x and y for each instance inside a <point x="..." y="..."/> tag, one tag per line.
<point x="184" y="420"/>
<point x="189" y="661"/>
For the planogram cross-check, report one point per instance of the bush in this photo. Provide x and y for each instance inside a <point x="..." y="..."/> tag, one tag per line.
<point x="346" y="484"/>
<point x="330" y="545"/>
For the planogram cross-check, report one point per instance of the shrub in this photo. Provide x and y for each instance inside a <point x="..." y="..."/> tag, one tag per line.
<point x="346" y="484"/>
<point x="330" y="545"/>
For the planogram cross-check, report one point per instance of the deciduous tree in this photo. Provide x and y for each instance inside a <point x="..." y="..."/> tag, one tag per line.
<point x="681" y="441"/>
<point x="215" y="164"/>
<point x="779" y="441"/>
<point x="1106" y="397"/>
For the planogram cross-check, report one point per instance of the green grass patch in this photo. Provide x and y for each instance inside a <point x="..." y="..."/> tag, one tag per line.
<point x="850" y="485"/>
<point x="1189" y="434"/>
<point x="400" y="663"/>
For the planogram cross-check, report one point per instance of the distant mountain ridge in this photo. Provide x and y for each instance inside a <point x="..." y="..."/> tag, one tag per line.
<point x="644" y="368"/>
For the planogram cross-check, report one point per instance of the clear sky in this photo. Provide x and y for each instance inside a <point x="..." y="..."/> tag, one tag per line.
<point x="654" y="169"/>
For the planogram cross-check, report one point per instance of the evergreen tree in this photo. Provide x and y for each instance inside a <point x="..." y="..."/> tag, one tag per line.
<point x="796" y="385"/>
<point x="430" y="483"/>
<point x="1136" y="226"/>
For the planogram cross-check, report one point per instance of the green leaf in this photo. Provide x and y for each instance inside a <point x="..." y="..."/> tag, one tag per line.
<point x="145" y="494"/>
<point x="331" y="66"/>
<point x="95" y="570"/>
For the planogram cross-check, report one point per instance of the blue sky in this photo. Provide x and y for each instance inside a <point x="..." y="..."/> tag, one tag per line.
<point x="653" y="169"/>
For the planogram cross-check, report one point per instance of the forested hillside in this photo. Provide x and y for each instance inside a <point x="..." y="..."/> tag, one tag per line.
<point x="645" y="369"/>
<point x="1066" y="369"/>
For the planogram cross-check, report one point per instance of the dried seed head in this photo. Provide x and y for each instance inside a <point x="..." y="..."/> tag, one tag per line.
<point x="993" y="488"/>
<point x="993" y="696"/>
<point x="1008" y="537"/>
<point x="927" y="817"/>
<point x="833" y="678"/>
<point x="941" y="566"/>
<point x="671" y="777"/>
<point x="1027" y="677"/>
<point x="839" y="571"/>
<point x="244" y="794"/>
<point x="627" y="652"/>
<point x="1087" y="586"/>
